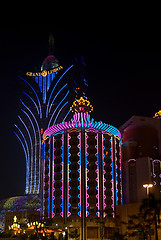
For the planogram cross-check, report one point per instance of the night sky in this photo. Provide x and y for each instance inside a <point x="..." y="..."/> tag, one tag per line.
<point x="123" y="75"/>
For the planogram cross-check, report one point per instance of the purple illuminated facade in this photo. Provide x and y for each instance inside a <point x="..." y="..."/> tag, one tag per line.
<point x="81" y="169"/>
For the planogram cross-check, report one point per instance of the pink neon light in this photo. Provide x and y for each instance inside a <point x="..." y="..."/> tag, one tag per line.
<point x="82" y="120"/>
<point x="132" y="160"/>
<point x="112" y="181"/>
<point x="121" y="173"/>
<point x="87" y="179"/>
<point x="79" y="146"/>
<point x="116" y="169"/>
<point x="104" y="180"/>
<point x="97" y="179"/>
<point x="68" y="212"/>
<point x="43" y="183"/>
<point x="62" y="214"/>
<point x="53" y="181"/>
<point x="49" y="180"/>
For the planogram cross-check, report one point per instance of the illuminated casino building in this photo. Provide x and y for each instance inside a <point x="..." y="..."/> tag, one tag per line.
<point x="45" y="102"/>
<point x="81" y="169"/>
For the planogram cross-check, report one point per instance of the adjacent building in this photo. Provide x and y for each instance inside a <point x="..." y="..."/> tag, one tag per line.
<point x="141" y="157"/>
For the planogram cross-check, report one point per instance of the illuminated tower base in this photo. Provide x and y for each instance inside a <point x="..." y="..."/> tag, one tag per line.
<point x="81" y="170"/>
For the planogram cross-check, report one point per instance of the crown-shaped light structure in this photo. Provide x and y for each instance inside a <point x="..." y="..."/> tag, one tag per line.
<point x="81" y="105"/>
<point x="157" y="114"/>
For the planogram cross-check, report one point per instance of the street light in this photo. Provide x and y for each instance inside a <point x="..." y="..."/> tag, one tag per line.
<point x="147" y="186"/>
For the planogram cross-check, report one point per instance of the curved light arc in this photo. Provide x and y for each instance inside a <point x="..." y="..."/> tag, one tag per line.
<point x="54" y="89"/>
<point x="35" y="94"/>
<point x="57" y="108"/>
<point x="33" y="102"/>
<point x="34" y="144"/>
<point x="59" y="112"/>
<point x="56" y="96"/>
<point x="31" y="148"/>
<point x="39" y="138"/>
<point x="27" y="168"/>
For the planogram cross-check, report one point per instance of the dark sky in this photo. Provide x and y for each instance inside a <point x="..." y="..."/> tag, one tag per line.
<point x="123" y="74"/>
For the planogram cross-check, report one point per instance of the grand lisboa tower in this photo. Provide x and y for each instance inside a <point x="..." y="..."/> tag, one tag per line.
<point x="45" y="101"/>
<point x="81" y="171"/>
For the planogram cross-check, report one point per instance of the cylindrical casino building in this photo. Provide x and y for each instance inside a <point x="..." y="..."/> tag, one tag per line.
<point x="81" y="169"/>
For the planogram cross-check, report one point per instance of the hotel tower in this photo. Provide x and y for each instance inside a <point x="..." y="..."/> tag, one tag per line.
<point x="45" y="101"/>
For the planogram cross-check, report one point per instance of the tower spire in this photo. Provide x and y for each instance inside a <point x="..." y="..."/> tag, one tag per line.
<point x="51" y="44"/>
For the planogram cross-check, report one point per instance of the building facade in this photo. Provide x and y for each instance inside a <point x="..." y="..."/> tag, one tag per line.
<point x="141" y="157"/>
<point x="81" y="169"/>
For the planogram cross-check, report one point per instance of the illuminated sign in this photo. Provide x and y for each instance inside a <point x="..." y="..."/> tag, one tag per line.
<point x="43" y="73"/>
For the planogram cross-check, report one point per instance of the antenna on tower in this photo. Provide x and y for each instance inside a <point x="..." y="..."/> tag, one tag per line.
<point x="51" y="44"/>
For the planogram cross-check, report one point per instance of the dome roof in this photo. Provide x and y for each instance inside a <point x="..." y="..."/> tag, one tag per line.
<point x="28" y="202"/>
<point x="49" y="63"/>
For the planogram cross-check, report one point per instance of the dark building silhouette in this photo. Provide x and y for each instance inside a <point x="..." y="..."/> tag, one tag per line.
<point x="141" y="157"/>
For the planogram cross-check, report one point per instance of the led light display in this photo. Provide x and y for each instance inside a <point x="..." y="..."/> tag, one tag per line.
<point x="97" y="179"/>
<point x="68" y="178"/>
<point x="62" y="178"/>
<point x="53" y="180"/>
<point x="79" y="178"/>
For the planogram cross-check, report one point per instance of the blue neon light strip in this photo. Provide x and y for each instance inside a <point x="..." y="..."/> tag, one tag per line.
<point x="39" y="142"/>
<point x="53" y="179"/>
<point x="48" y="81"/>
<point x="47" y="107"/>
<point x="40" y="83"/>
<point x="31" y="164"/>
<point x="35" y="94"/>
<point x="66" y="115"/>
<point x="56" y="96"/>
<point x="44" y="90"/>
<point x="33" y="102"/>
<point x="36" y="79"/>
<point x="57" y="108"/>
<point x="49" y="181"/>
<point x="28" y="163"/>
<point x="27" y="168"/>
<point x="60" y="111"/>
<point x="35" y="146"/>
